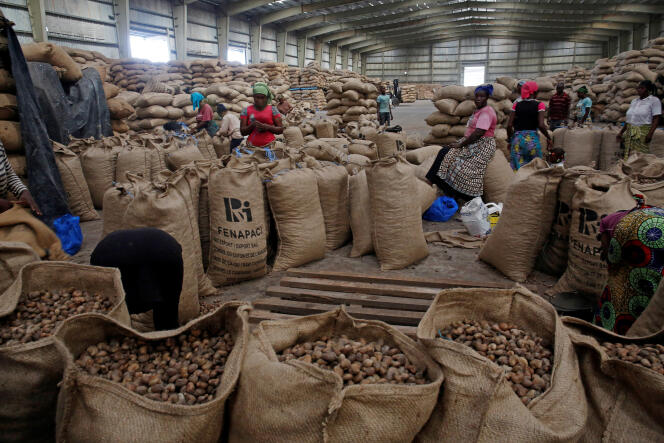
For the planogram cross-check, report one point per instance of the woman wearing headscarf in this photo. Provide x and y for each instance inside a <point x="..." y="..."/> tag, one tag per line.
<point x="526" y="118"/>
<point x="459" y="168"/>
<point x="583" y="107"/>
<point x="261" y="120"/>
<point x="205" y="116"/>
<point x="633" y="246"/>
<point x="642" y="119"/>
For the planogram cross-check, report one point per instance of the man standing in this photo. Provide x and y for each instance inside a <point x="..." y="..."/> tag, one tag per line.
<point x="559" y="108"/>
<point x="384" y="108"/>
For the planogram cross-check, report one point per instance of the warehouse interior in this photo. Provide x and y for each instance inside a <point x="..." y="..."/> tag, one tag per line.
<point x="332" y="220"/>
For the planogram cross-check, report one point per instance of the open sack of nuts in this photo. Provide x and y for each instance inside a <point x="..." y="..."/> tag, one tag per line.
<point x="623" y="378"/>
<point x="330" y="377"/>
<point x="168" y="386"/>
<point x="32" y="309"/>
<point x="509" y="365"/>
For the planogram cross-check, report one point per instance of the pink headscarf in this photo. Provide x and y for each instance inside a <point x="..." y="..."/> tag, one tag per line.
<point x="528" y="88"/>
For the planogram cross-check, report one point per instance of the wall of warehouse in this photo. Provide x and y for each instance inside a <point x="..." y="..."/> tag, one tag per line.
<point x="444" y="62"/>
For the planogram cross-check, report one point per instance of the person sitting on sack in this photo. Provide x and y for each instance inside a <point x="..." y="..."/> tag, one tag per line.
<point x="642" y="119"/>
<point x="384" y="108"/>
<point x="261" y="120"/>
<point x="230" y="126"/>
<point x="205" y="117"/>
<point x="526" y="118"/>
<point x="9" y="182"/>
<point x="459" y="168"/>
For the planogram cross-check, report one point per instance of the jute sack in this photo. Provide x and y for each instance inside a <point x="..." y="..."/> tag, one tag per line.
<point x="13" y="256"/>
<point x="116" y="201"/>
<point x="164" y="206"/>
<point x="184" y="156"/>
<point x="389" y="143"/>
<point x="83" y="403"/>
<point x="32" y="371"/>
<point x="10" y="135"/>
<point x="153" y="99"/>
<point x="446" y="105"/>
<point x="7" y="83"/>
<point x="647" y="174"/>
<point x="205" y="145"/>
<point x="366" y="148"/>
<point x="295" y="206"/>
<point x="438" y="118"/>
<point x="360" y="209"/>
<point x="581" y="145"/>
<point x="414" y="141"/>
<point x="525" y="222"/>
<point x="203" y="170"/>
<point x="119" y="126"/>
<point x="454" y="92"/>
<point x="333" y="193"/>
<point x="398" y="238"/>
<point x="137" y="160"/>
<point x="418" y="156"/>
<point x="98" y="163"/>
<point x="310" y="404"/>
<point x="626" y="400"/>
<point x="8" y="107"/>
<point x="477" y="403"/>
<point x="238" y="234"/>
<point x="497" y="178"/>
<point x="325" y="129"/>
<point x="355" y="163"/>
<point x="55" y="56"/>
<point x="17" y="224"/>
<point x="553" y="257"/>
<point x="321" y="150"/>
<point x="610" y="151"/>
<point x="73" y="181"/>
<point x="595" y="197"/>
<point x="293" y="136"/>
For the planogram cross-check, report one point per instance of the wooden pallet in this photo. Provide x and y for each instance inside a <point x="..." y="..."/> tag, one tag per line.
<point x="399" y="301"/>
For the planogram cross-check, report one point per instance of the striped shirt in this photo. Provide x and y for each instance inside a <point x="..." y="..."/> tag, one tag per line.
<point x="559" y="107"/>
<point x="9" y="181"/>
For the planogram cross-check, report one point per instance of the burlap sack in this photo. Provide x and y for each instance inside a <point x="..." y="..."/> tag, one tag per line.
<point x="293" y="136"/>
<point x="581" y="145"/>
<point x="647" y="174"/>
<point x="116" y="200"/>
<point x="596" y="196"/>
<point x="7" y="83"/>
<point x="55" y="56"/>
<point x="153" y="99"/>
<point x="184" y="156"/>
<point x="137" y="160"/>
<point x="324" y="129"/>
<point x="525" y="222"/>
<point x="31" y="372"/>
<point x="8" y="107"/>
<point x="13" y="256"/>
<point x="465" y="108"/>
<point x="309" y="404"/>
<point x="398" y="238"/>
<point x="19" y="225"/>
<point x="610" y="151"/>
<point x="446" y="105"/>
<point x="169" y="206"/>
<point x="110" y="90"/>
<point x="119" y="126"/>
<point x="221" y="145"/>
<point x="438" y="118"/>
<point x="477" y="403"/>
<point x="203" y="170"/>
<point x="84" y="402"/>
<point x="333" y="193"/>
<point x="360" y="210"/>
<point x="366" y="148"/>
<point x="73" y="181"/>
<point x="414" y="141"/>
<point x="389" y="143"/>
<point x="98" y="163"/>
<point x="295" y="206"/>
<point x="553" y="257"/>
<point x="454" y="92"/>
<point x="626" y="400"/>
<point x="418" y="156"/>
<point x="205" y="145"/>
<point x="355" y="163"/>
<point x="238" y="232"/>
<point x="10" y="135"/>
<point x="497" y="178"/>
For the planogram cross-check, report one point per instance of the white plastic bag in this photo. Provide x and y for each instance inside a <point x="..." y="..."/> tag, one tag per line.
<point x="475" y="217"/>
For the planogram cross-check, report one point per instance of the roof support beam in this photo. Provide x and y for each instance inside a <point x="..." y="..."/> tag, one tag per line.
<point x="239" y="7"/>
<point x="324" y="30"/>
<point x="302" y="9"/>
<point x="121" y="10"/>
<point x="338" y="36"/>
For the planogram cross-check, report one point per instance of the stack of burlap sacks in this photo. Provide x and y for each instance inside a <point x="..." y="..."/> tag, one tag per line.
<point x="425" y="92"/>
<point x="236" y="95"/>
<point x="133" y="74"/>
<point x="352" y="100"/>
<point x="274" y="71"/>
<point x="90" y="59"/>
<point x="408" y="93"/>
<point x="455" y="105"/>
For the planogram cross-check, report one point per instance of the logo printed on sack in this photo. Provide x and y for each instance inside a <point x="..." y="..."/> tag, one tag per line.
<point x="237" y="211"/>
<point x="589" y="221"/>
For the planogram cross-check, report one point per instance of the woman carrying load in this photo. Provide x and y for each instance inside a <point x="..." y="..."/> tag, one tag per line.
<point x="583" y="107"/>
<point x="643" y="117"/>
<point x="261" y="120"/>
<point x="526" y="118"/>
<point x="459" y="168"/>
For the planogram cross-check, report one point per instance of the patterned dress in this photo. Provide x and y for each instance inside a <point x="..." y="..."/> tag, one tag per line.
<point x="525" y="148"/>
<point x="636" y="265"/>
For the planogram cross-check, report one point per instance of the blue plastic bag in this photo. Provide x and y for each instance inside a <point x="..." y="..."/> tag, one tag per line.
<point x="68" y="230"/>
<point x="442" y="209"/>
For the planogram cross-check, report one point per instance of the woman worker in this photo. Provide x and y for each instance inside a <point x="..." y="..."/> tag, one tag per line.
<point x="633" y="245"/>
<point x="205" y="117"/>
<point x="9" y="182"/>
<point x="583" y="107"/>
<point x="261" y="120"/>
<point x="642" y="119"/>
<point x="526" y="118"/>
<point x="459" y="168"/>
<point x="151" y="269"/>
<point x="230" y="126"/>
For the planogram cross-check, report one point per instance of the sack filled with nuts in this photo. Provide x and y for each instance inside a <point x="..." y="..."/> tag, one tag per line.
<point x="31" y="310"/>
<point x="13" y="256"/>
<point x="510" y="369"/>
<point x="623" y="379"/>
<point x="171" y="386"/>
<point x="330" y="377"/>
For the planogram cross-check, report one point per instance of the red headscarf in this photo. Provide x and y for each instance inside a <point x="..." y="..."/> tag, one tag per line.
<point x="528" y="88"/>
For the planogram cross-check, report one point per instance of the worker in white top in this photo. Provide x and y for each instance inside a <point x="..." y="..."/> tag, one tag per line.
<point x="642" y="119"/>
<point x="230" y="126"/>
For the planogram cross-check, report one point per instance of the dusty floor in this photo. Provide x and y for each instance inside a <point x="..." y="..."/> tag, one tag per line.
<point x="442" y="262"/>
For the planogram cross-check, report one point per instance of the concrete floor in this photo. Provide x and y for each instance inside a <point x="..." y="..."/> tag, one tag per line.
<point x="442" y="262"/>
